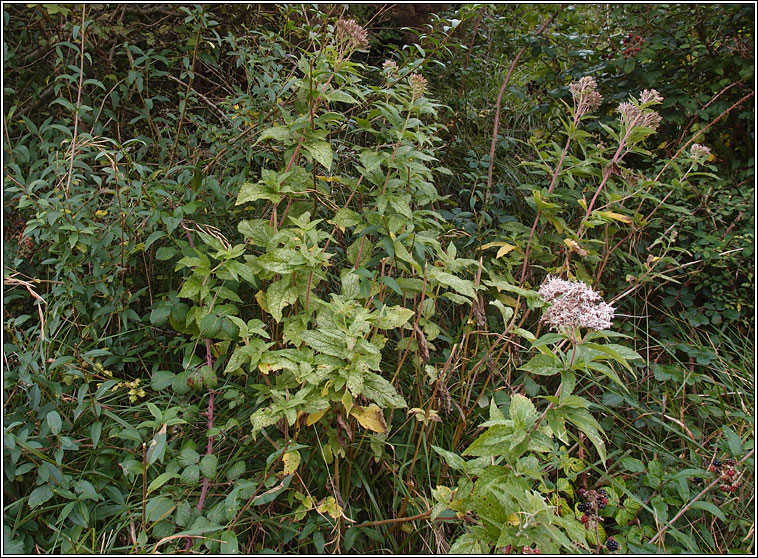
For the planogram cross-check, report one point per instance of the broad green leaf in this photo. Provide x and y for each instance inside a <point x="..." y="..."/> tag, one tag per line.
<point x="40" y="495"/>
<point x="454" y="461"/>
<point x="208" y="466"/>
<point x="54" y="422"/>
<point x="542" y="365"/>
<point x="321" y="151"/>
<point x="278" y="296"/>
<point x="392" y="317"/>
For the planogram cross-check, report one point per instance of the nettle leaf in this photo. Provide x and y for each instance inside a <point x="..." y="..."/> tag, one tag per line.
<point x="321" y="151"/>
<point x="392" y="317"/>
<point x="278" y="296"/>
<point x="278" y="133"/>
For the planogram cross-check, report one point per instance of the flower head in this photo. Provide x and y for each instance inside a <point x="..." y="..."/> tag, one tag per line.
<point x="650" y="95"/>
<point x="418" y="85"/>
<point x="574" y="304"/>
<point x="389" y="67"/>
<point x="699" y="151"/>
<point x="585" y="94"/>
<point x="348" y="31"/>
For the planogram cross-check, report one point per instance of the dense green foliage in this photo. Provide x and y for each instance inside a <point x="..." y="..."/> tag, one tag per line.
<point x="266" y="289"/>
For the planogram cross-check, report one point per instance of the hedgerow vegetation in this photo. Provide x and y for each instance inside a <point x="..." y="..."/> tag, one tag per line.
<point x="371" y="279"/>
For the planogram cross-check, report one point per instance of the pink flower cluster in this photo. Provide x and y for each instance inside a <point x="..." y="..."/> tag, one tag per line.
<point x="585" y="94"/>
<point x="635" y="115"/>
<point x="574" y="304"/>
<point x="351" y="33"/>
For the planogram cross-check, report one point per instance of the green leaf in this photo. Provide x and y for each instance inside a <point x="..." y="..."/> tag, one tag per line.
<point x="191" y="475"/>
<point x="632" y="465"/>
<point x="278" y="296"/>
<point x="391" y="283"/>
<point x="542" y="365"/>
<point x="229" y="544"/>
<point x="235" y="471"/>
<point x="188" y="456"/>
<point x="153" y="237"/>
<point x="522" y="411"/>
<point x="459" y="285"/>
<point x="208" y="466"/>
<point x="159" y="315"/>
<point x="392" y="317"/>
<point x="735" y="444"/>
<point x="709" y="507"/>
<point x="493" y="442"/>
<point x="321" y="151"/>
<point x="40" y="495"/>
<point x="454" y="461"/>
<point x="326" y="342"/>
<point x="382" y="392"/>
<point x="165" y="253"/>
<point x="160" y="480"/>
<point x="54" y="422"/>
<point x="278" y="133"/>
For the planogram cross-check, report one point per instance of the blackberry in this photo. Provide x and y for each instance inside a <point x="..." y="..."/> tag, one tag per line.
<point x="602" y="492"/>
<point x="612" y="545"/>
<point x="730" y="462"/>
<point x="697" y="480"/>
<point x="601" y="505"/>
<point x="717" y="462"/>
<point x="584" y="506"/>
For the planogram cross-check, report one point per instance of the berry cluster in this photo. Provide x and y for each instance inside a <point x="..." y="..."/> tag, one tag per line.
<point x="633" y="45"/>
<point x="530" y="550"/>
<point x="727" y="474"/>
<point x="611" y="545"/>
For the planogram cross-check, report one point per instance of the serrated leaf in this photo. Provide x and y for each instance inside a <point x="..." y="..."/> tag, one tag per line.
<point x="191" y="475"/>
<point x="454" y="461"/>
<point x="208" y="466"/>
<point x="188" y="456"/>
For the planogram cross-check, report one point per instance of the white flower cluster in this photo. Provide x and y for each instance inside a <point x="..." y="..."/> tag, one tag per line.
<point x="574" y="304"/>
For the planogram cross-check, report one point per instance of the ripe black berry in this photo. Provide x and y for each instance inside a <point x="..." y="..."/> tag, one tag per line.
<point x="584" y="506"/>
<point x="612" y="545"/>
<point x="697" y="480"/>
<point x="717" y="462"/>
<point x="601" y="505"/>
<point x="602" y="492"/>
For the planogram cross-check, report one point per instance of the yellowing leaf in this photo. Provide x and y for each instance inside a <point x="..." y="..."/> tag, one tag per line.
<point x="370" y="418"/>
<point x="574" y="246"/>
<point x="101" y="213"/>
<point x="330" y="506"/>
<point x="313" y="418"/>
<point x="291" y="460"/>
<point x="504" y="248"/>
<point x="615" y="216"/>
<point x="260" y="296"/>
<point x="513" y="519"/>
